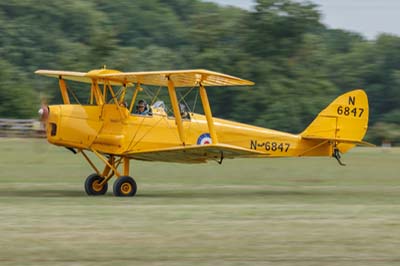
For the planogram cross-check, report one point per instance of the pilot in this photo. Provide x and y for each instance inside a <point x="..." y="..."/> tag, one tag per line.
<point x="142" y="108"/>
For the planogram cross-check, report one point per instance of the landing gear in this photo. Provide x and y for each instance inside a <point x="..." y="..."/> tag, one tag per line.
<point x="94" y="185"/>
<point x="97" y="183"/>
<point x="125" y="186"/>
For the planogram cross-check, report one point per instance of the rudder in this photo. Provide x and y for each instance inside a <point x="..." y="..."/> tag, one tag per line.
<point x="344" y="121"/>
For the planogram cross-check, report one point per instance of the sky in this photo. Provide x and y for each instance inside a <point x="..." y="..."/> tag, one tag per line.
<point x="368" y="17"/>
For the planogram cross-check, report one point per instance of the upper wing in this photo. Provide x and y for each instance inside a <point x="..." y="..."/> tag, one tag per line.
<point x="180" y="78"/>
<point x="195" y="154"/>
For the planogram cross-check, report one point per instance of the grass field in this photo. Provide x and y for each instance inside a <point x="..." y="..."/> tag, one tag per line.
<point x="294" y="211"/>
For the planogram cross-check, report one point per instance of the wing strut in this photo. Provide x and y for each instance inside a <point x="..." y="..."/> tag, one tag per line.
<point x="97" y="93"/>
<point x="175" y="107"/>
<point x="63" y="89"/>
<point x="138" y="88"/>
<point x="207" y="112"/>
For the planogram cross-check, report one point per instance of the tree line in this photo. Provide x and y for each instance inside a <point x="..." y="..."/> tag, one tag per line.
<point x="298" y="64"/>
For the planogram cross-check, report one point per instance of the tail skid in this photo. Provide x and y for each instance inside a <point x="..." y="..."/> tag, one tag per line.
<point x="337" y="156"/>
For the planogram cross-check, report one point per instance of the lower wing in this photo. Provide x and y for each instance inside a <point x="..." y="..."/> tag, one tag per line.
<point x="195" y="154"/>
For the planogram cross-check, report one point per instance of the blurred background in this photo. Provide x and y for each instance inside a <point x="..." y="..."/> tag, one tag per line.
<point x="298" y="62"/>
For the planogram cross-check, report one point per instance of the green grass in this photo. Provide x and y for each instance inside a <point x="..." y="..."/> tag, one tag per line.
<point x="293" y="211"/>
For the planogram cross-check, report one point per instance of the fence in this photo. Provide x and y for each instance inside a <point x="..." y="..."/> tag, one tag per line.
<point x="21" y="128"/>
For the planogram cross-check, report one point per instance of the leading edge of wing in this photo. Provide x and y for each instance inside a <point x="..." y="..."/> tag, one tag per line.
<point x="195" y="154"/>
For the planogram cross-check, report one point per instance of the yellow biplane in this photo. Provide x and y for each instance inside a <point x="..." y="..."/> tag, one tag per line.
<point x="116" y="133"/>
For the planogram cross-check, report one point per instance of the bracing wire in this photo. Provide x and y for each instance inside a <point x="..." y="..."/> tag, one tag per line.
<point x="117" y="95"/>
<point x="182" y="98"/>
<point x="195" y="102"/>
<point x="156" y="96"/>
<point x="148" y="92"/>
<point x="73" y="95"/>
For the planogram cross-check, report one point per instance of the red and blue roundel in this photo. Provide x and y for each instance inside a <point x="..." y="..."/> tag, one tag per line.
<point x="204" y="139"/>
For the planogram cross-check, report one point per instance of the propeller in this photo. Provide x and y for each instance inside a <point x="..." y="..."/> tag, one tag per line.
<point x="40" y="147"/>
<point x="43" y="113"/>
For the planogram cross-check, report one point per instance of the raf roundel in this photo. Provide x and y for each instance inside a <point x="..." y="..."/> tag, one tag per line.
<point x="204" y="139"/>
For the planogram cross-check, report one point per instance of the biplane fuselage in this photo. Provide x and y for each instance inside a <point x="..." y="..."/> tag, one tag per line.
<point x="112" y="131"/>
<point x="115" y="133"/>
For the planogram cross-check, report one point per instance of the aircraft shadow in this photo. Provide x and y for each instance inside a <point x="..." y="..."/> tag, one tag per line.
<point x="43" y="193"/>
<point x="228" y="193"/>
<point x="168" y="194"/>
<point x="55" y="193"/>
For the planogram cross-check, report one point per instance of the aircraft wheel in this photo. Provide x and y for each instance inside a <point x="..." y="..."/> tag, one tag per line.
<point x="93" y="187"/>
<point x="125" y="186"/>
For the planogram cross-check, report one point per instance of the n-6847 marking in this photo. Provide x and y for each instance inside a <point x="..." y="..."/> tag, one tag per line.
<point x="270" y="145"/>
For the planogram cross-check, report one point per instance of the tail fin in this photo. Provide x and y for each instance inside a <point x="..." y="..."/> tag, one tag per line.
<point x="344" y="121"/>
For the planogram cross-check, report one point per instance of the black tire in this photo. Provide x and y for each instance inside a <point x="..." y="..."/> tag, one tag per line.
<point x="125" y="186"/>
<point x="92" y="187"/>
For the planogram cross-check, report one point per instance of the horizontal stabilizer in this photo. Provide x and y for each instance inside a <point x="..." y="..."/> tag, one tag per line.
<point x="341" y="140"/>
